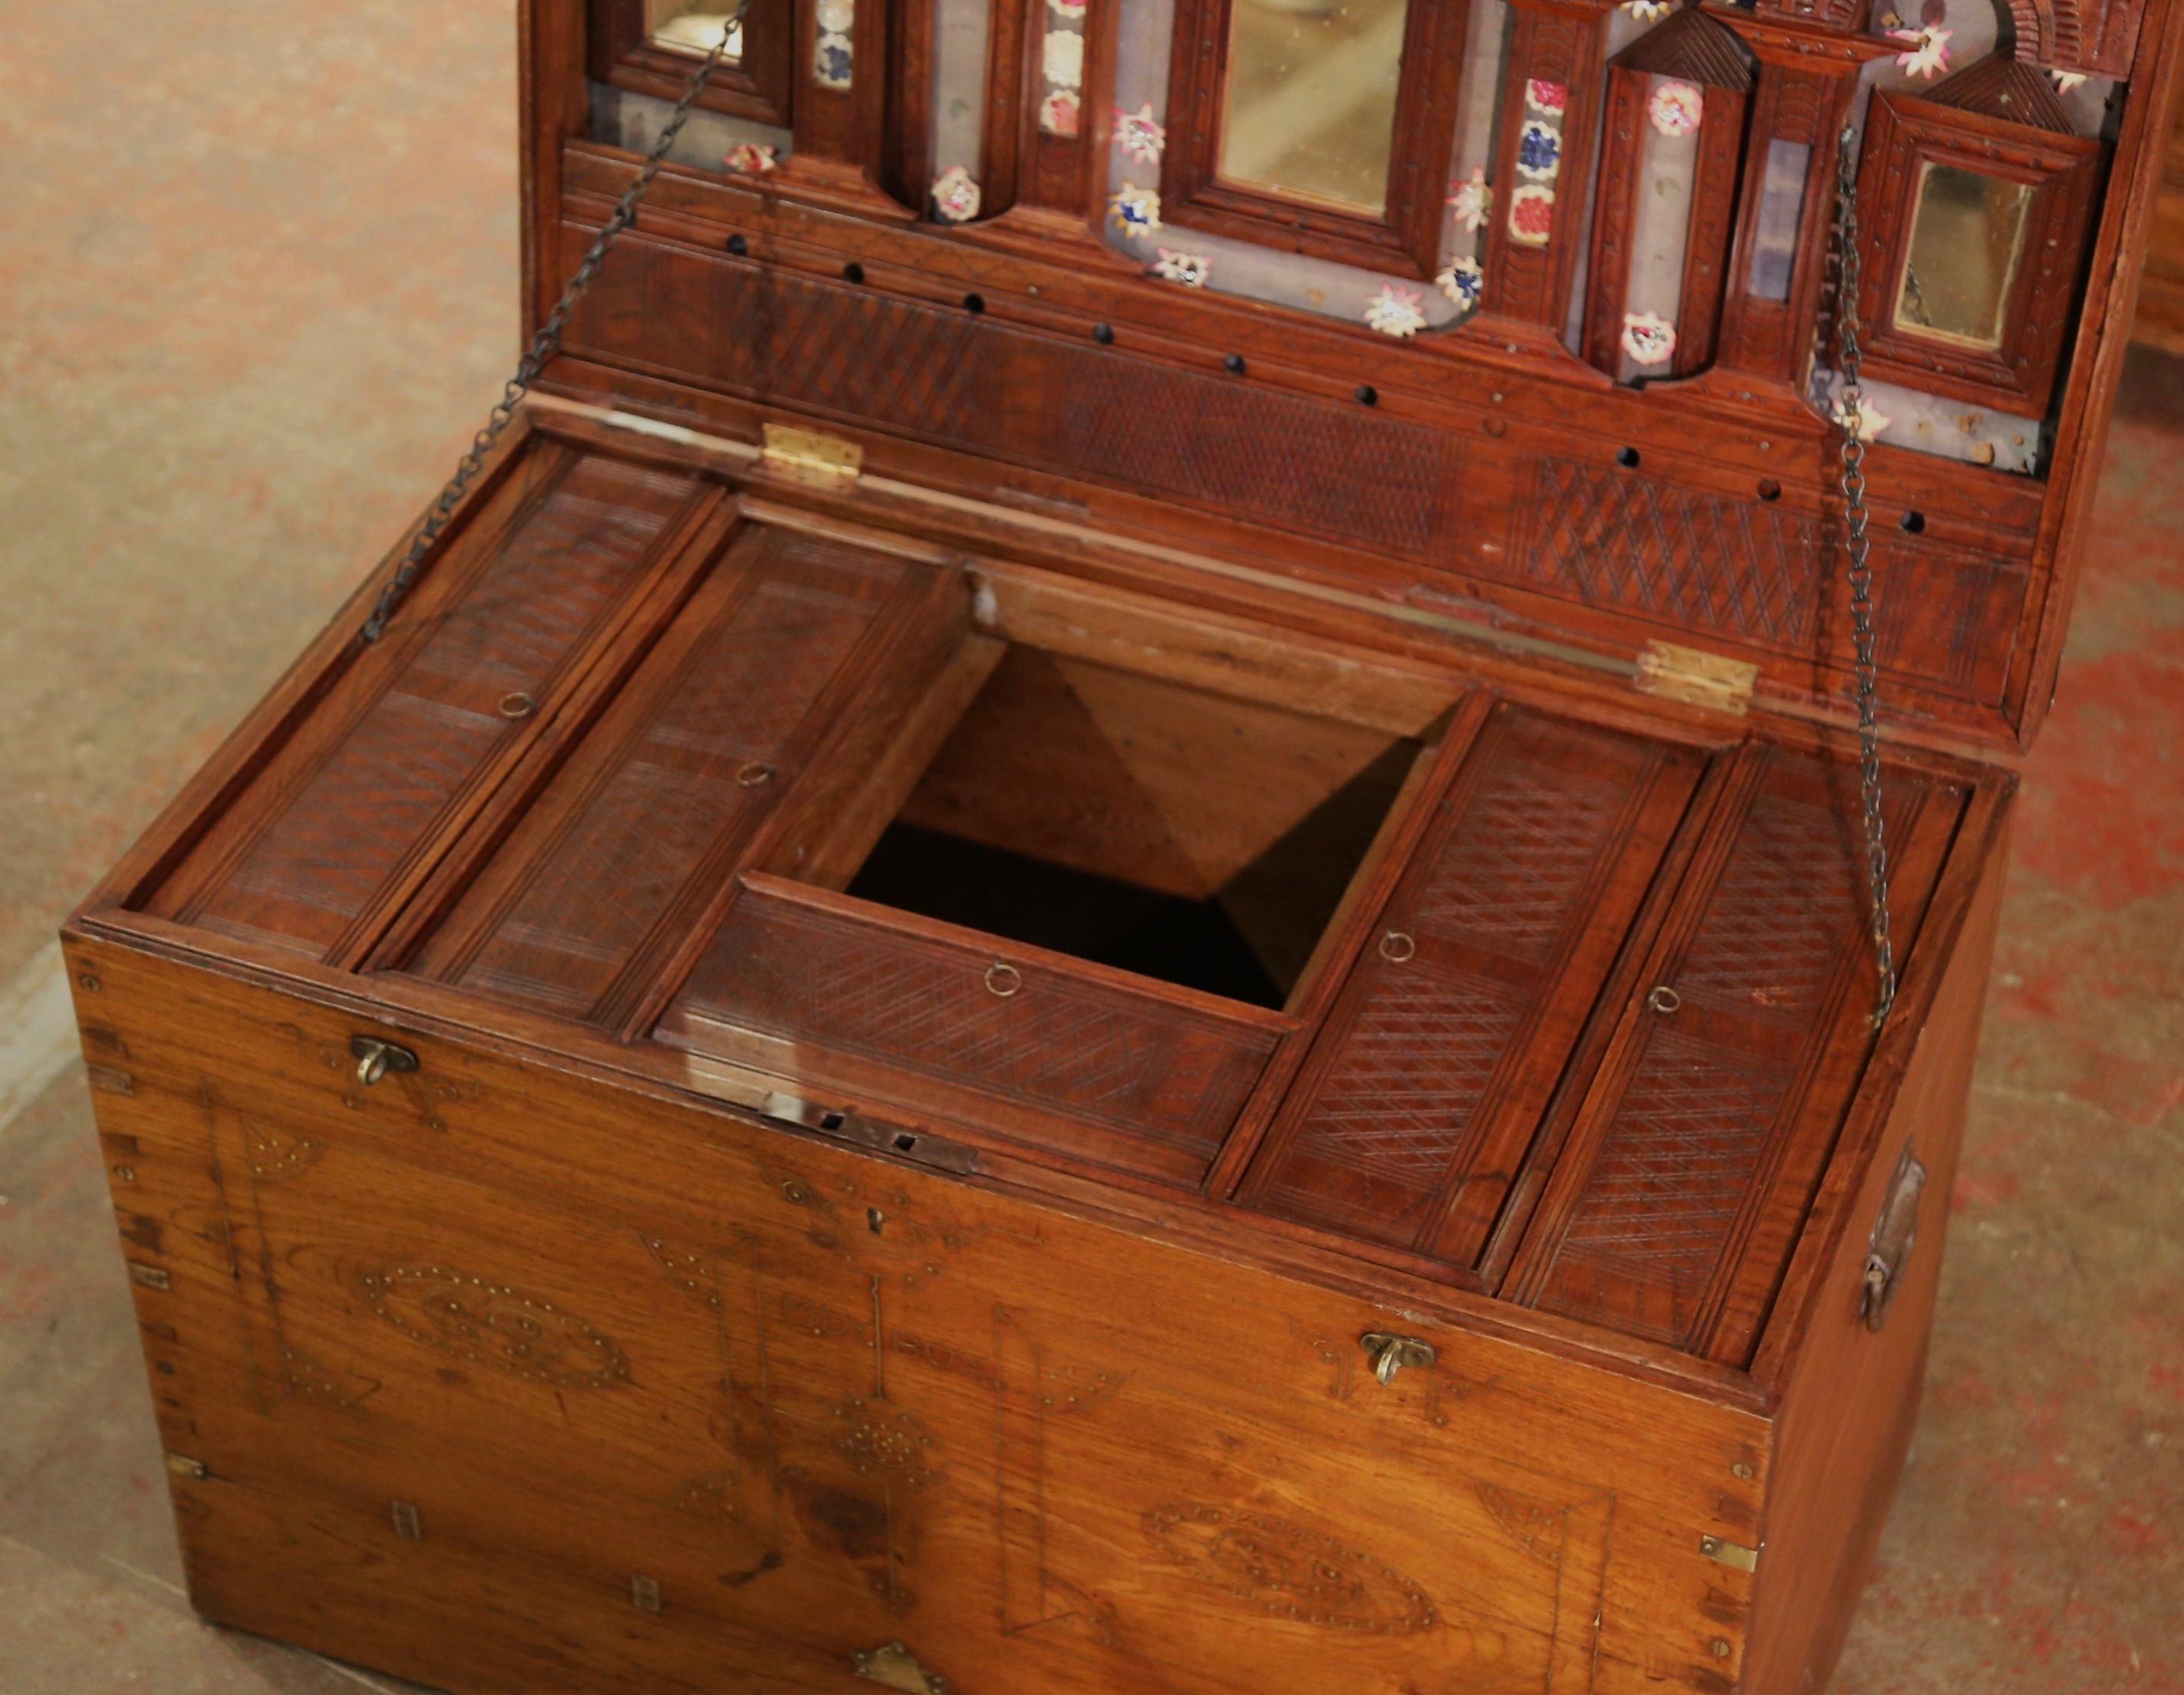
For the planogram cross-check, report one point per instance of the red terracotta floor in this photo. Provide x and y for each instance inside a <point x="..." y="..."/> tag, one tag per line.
<point x="249" y="310"/>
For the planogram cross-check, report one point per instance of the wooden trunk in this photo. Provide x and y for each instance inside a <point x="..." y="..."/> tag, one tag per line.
<point x="1173" y="1045"/>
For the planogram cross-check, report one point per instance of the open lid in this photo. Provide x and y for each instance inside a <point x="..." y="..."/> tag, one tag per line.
<point x="1517" y="314"/>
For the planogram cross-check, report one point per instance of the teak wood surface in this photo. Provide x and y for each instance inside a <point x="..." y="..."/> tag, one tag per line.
<point x="757" y="1283"/>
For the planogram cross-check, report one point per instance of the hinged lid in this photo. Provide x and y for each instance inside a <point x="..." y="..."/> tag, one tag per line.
<point x="1506" y="313"/>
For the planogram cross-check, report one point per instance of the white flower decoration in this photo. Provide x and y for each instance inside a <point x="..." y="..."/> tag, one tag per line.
<point x="1649" y="338"/>
<point x="1472" y="199"/>
<point x="1398" y="312"/>
<point x="1142" y="136"/>
<point x="1870" y="421"/>
<point x="956" y="196"/>
<point x="837" y="17"/>
<point x="1463" y="281"/>
<point x="1064" y="60"/>
<point x="1644" y="11"/>
<point x="1190" y="270"/>
<point x="1928" y="54"/>
<point x="2068" y="81"/>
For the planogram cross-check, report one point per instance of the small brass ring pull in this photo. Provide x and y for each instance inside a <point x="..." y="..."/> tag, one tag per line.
<point x="1397" y="947"/>
<point x="375" y="1059"/>
<point x="1004" y="979"/>
<point x="1664" y="1000"/>
<point x="1391" y="1353"/>
<point x="518" y="705"/>
<point x="754" y="775"/>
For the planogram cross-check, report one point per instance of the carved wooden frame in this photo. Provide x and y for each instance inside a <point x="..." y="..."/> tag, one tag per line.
<point x="1725" y="74"/>
<point x="1906" y="133"/>
<point x="760" y="87"/>
<point x="1407" y="237"/>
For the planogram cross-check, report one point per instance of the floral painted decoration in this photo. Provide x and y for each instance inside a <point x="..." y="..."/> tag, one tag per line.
<point x="1547" y="97"/>
<point x="954" y="196"/>
<point x="2068" y="81"/>
<point x="1463" y="281"/>
<point x="833" y="61"/>
<point x="837" y="17"/>
<point x="1677" y="108"/>
<point x="1190" y="270"/>
<point x="1142" y="136"/>
<point x="1066" y="8"/>
<point x="1928" y="53"/>
<point x="753" y="158"/>
<point x="1649" y="338"/>
<point x="1870" y="421"/>
<point x="1135" y="210"/>
<point x="1398" y="312"/>
<point x="1059" y="113"/>
<point x="1471" y="199"/>
<point x="1531" y="215"/>
<point x="1646" y="11"/>
<point x="1062" y="61"/>
<point x="1539" y="151"/>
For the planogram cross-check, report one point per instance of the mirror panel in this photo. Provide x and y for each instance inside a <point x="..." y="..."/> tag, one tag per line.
<point x="691" y="27"/>
<point x="1967" y="242"/>
<point x="1309" y="110"/>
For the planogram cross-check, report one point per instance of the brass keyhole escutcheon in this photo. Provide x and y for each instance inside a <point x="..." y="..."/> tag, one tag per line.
<point x="1391" y="1353"/>
<point x="1396" y="946"/>
<point x="1004" y="980"/>
<point x="375" y="1059"/>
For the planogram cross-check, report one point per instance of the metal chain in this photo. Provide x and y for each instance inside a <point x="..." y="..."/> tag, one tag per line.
<point x="547" y="342"/>
<point x="1857" y="546"/>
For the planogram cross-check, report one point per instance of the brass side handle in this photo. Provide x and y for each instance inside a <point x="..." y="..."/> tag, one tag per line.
<point x="375" y="1059"/>
<point x="1391" y="1353"/>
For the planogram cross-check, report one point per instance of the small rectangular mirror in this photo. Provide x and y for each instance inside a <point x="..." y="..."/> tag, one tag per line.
<point x="1967" y="242"/>
<point x="692" y="26"/>
<point x="1309" y="110"/>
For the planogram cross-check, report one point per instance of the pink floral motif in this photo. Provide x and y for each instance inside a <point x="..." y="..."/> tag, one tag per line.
<point x="1547" y="97"/>
<point x="1677" y="107"/>
<point x="1471" y="199"/>
<point x="1398" y="312"/>
<point x="1928" y="54"/>
<point x="753" y="158"/>
<point x="1066" y="8"/>
<point x="1532" y="215"/>
<point x="1142" y="136"/>
<point x="1190" y="270"/>
<point x="1058" y="112"/>
<point x="956" y="197"/>
<point x="1649" y="338"/>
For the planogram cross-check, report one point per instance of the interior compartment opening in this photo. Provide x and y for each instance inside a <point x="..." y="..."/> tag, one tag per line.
<point x="1162" y="830"/>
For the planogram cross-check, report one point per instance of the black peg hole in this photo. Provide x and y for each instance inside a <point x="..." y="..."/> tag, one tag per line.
<point x="905" y="1143"/>
<point x="1233" y="365"/>
<point x="1770" y="489"/>
<point x="831" y="1121"/>
<point x="1914" y="523"/>
<point x="739" y="245"/>
<point x="852" y="272"/>
<point x="974" y="303"/>
<point x="1367" y="395"/>
<point x="1626" y="457"/>
<point x="1104" y="333"/>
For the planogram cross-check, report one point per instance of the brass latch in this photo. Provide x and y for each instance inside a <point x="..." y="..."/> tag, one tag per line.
<point x="895" y="1667"/>
<point x="1391" y="1353"/>
<point x="808" y="457"/>
<point x="1893" y="1237"/>
<point x="1696" y="677"/>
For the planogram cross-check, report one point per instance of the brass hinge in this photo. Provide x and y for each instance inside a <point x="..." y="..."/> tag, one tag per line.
<point x="806" y="457"/>
<point x="1729" y="1553"/>
<point x="1695" y="676"/>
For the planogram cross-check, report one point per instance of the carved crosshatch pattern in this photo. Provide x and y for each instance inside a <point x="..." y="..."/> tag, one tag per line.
<point x="1402" y="1131"/>
<point x="1707" y="1118"/>
<point x="566" y="561"/>
<point x="668" y="784"/>
<point x="835" y="974"/>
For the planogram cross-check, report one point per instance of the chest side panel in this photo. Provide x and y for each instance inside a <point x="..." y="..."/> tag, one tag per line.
<point x="508" y="1382"/>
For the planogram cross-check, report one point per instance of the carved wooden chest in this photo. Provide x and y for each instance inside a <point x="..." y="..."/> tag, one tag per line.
<point x="1103" y="917"/>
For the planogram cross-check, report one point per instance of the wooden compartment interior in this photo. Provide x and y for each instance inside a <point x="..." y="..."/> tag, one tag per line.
<point x="1180" y="834"/>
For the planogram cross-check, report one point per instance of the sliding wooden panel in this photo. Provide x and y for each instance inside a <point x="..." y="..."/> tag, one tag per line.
<point x="466" y="677"/>
<point x="1696" y="1151"/>
<point x="648" y="819"/>
<point x="1435" y="1066"/>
